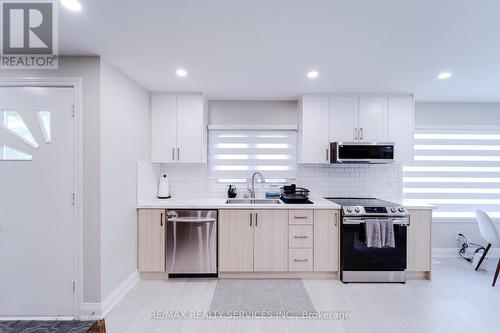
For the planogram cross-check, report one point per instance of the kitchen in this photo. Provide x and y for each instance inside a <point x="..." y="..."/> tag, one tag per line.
<point x="280" y="139"/>
<point x="266" y="166"/>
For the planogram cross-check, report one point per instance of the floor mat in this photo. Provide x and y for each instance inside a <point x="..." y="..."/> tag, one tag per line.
<point x="52" y="326"/>
<point x="266" y="297"/>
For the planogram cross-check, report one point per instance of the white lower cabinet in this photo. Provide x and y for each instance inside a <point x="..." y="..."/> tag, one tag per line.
<point x="235" y="241"/>
<point x="275" y="240"/>
<point x="326" y="240"/>
<point x="253" y="240"/>
<point x="419" y="241"/>
<point x="300" y="260"/>
<point x="270" y="241"/>
<point x="151" y="240"/>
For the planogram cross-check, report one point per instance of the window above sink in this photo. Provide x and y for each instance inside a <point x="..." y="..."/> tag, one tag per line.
<point x="235" y="153"/>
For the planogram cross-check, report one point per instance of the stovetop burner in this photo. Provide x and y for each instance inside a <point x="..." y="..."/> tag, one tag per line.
<point x="369" y="207"/>
<point x="361" y="202"/>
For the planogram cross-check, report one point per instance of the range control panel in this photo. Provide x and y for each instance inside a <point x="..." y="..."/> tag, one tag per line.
<point x="396" y="211"/>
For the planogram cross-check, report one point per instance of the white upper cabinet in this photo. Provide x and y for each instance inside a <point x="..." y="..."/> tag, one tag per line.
<point x="343" y="118"/>
<point x="189" y="129"/>
<point x="314" y="135"/>
<point x="372" y="124"/>
<point x="177" y="128"/>
<point x="163" y="128"/>
<point x="355" y="118"/>
<point x="401" y="123"/>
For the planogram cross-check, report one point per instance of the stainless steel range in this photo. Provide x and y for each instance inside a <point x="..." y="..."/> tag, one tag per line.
<point x="360" y="260"/>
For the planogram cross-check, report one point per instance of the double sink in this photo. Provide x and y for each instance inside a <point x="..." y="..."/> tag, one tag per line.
<point x="253" y="201"/>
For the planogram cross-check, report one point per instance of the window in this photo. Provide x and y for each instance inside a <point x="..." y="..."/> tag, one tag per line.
<point x="44" y="121"/>
<point x="10" y="154"/>
<point x="234" y="155"/>
<point x="12" y="121"/>
<point x="456" y="170"/>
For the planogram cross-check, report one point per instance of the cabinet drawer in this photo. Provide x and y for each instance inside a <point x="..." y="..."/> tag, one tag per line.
<point x="300" y="236"/>
<point x="300" y="216"/>
<point x="300" y="260"/>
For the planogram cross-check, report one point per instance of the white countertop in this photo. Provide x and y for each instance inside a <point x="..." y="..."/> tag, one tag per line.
<point x="220" y="203"/>
<point x="420" y="206"/>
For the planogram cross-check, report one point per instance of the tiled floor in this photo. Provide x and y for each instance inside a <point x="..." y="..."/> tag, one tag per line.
<point x="456" y="300"/>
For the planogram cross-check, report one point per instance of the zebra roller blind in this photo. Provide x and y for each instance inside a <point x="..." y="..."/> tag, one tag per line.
<point x="234" y="155"/>
<point x="457" y="170"/>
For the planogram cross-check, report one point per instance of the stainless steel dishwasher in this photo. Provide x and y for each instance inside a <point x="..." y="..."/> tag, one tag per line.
<point x="191" y="243"/>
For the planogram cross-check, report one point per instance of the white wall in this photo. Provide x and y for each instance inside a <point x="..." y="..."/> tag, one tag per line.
<point x="380" y="181"/>
<point x="125" y="124"/>
<point x="458" y="114"/>
<point x="252" y="112"/>
<point x="86" y="68"/>
<point x="467" y="114"/>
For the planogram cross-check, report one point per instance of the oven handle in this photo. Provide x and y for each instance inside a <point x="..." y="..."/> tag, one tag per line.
<point x="402" y="222"/>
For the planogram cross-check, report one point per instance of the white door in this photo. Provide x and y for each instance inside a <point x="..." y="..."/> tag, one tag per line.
<point x="343" y="118"/>
<point x="314" y="129"/>
<point x="373" y="119"/>
<point x="189" y="128"/>
<point x="36" y="211"/>
<point x="164" y="128"/>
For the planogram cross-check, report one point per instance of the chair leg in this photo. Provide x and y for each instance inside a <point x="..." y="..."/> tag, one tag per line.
<point x="482" y="257"/>
<point x="496" y="273"/>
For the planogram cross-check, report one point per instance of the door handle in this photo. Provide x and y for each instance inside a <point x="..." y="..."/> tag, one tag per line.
<point x="300" y="260"/>
<point x="178" y="154"/>
<point x="335" y="219"/>
<point x="173" y="154"/>
<point x="161" y="219"/>
<point x="300" y="236"/>
<point x="255" y="219"/>
<point x="250" y="219"/>
<point x="326" y="153"/>
<point x="361" y="133"/>
<point x="355" y="134"/>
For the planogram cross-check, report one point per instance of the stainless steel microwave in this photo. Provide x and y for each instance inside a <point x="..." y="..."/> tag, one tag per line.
<point x="361" y="152"/>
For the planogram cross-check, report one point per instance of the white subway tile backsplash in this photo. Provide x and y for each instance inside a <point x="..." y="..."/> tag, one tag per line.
<point x="188" y="180"/>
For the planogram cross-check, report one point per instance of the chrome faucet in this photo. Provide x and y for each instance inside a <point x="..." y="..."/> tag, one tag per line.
<point x="252" y="190"/>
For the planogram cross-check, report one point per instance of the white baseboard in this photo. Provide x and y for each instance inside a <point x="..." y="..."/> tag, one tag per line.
<point x="91" y="311"/>
<point x="101" y="310"/>
<point x="448" y="252"/>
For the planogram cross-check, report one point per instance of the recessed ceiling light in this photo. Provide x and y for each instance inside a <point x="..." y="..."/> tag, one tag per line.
<point x="181" y="72"/>
<point x="312" y="74"/>
<point x="444" y="75"/>
<point x="72" y="5"/>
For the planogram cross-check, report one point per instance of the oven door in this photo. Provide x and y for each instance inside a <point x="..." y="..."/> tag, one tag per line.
<point x="356" y="256"/>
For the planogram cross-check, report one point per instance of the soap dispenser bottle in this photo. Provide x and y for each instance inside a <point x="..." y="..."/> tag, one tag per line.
<point x="164" y="187"/>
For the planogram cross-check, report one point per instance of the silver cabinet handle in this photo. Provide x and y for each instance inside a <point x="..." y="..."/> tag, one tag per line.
<point x="361" y="133"/>
<point x="173" y="154"/>
<point x="326" y="150"/>
<point x="255" y="219"/>
<point x="335" y="219"/>
<point x="161" y="219"/>
<point x="300" y="260"/>
<point x="178" y="154"/>
<point x="300" y="217"/>
<point x="300" y="236"/>
<point x="355" y="134"/>
<point x="250" y="219"/>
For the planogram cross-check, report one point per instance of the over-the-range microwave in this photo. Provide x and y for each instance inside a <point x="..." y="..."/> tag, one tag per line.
<point x="361" y="152"/>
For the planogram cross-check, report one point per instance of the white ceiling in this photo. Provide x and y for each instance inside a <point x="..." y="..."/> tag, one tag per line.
<point x="262" y="49"/>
